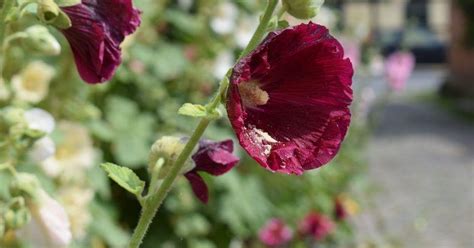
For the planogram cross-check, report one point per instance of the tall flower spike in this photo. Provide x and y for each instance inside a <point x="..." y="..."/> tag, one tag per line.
<point x="289" y="99"/>
<point x="98" y="28"/>
<point x="215" y="158"/>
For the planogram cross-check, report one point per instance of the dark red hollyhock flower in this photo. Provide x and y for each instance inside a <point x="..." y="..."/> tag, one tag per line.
<point x="215" y="158"/>
<point x="316" y="225"/>
<point x="289" y="99"/>
<point x="98" y="28"/>
<point x="275" y="233"/>
<point x="340" y="210"/>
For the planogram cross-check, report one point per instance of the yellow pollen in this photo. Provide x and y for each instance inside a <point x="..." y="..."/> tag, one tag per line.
<point x="252" y="95"/>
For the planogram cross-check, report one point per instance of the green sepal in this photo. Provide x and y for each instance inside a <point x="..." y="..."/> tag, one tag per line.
<point x="198" y="111"/>
<point x="67" y="3"/>
<point x="283" y="24"/>
<point x="125" y="177"/>
<point x="193" y="110"/>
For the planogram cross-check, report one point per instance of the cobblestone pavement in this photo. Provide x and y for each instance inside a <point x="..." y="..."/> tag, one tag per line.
<point x="422" y="159"/>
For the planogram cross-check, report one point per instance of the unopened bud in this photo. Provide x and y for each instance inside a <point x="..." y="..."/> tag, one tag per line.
<point x="17" y="214"/>
<point x="25" y="185"/>
<point x="40" y="41"/>
<point x="166" y="150"/>
<point x="167" y="147"/>
<point x="303" y="9"/>
<point x="12" y="116"/>
<point x="50" y="13"/>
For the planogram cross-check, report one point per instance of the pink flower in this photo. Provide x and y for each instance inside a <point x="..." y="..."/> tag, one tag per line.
<point x="352" y="52"/>
<point x="98" y="28"/>
<point x="215" y="158"/>
<point x="288" y="100"/>
<point x="398" y="69"/>
<point x="316" y="225"/>
<point x="275" y="233"/>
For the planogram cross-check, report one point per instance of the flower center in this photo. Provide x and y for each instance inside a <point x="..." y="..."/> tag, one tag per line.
<point x="252" y="95"/>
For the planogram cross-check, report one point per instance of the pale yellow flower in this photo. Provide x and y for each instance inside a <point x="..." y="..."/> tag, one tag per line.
<point x="74" y="153"/>
<point x="76" y="201"/>
<point x="32" y="84"/>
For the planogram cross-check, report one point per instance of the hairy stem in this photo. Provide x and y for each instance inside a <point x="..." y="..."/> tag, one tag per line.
<point x="261" y="29"/>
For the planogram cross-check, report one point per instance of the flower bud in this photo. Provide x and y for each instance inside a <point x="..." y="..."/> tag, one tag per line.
<point x="303" y="9"/>
<point x="40" y="41"/>
<point x="168" y="148"/>
<point x="39" y="119"/>
<point x="17" y="215"/>
<point x="49" y="12"/>
<point x="24" y="185"/>
<point x="43" y="149"/>
<point x="12" y="116"/>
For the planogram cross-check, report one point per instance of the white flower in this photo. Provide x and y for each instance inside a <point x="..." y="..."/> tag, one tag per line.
<point x="225" y="18"/>
<point x="32" y="84"/>
<point x="245" y="30"/>
<point x="76" y="201"/>
<point x="74" y="152"/>
<point x="42" y="149"/>
<point x="39" y="119"/>
<point x="223" y="63"/>
<point x="49" y="226"/>
<point x="4" y="92"/>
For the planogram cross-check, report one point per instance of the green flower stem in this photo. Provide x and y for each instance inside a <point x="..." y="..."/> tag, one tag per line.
<point x="261" y="29"/>
<point x="6" y="8"/>
<point x="153" y="202"/>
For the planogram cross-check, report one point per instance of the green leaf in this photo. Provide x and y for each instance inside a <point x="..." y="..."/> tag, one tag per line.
<point x="132" y="131"/>
<point x="67" y="3"/>
<point x="124" y="177"/>
<point x="283" y="24"/>
<point x="106" y="227"/>
<point x="193" y="110"/>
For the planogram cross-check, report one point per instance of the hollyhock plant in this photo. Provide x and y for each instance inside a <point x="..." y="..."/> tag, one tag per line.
<point x="275" y="233"/>
<point x="98" y="28"/>
<point x="214" y="158"/>
<point x="288" y="101"/>
<point x="398" y="69"/>
<point x="316" y="225"/>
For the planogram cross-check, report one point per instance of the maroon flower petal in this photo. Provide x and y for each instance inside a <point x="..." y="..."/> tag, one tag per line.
<point x="316" y="225"/>
<point x="198" y="185"/>
<point x="339" y="210"/>
<point x="98" y="28"/>
<point x="288" y="101"/>
<point x="215" y="158"/>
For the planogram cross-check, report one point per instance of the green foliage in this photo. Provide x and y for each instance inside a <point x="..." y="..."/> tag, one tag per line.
<point x="125" y="177"/>
<point x="131" y="131"/>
